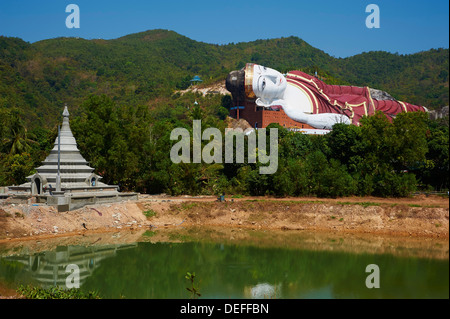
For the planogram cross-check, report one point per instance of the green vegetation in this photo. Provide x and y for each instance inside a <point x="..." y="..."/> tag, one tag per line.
<point x="124" y="100"/>
<point x="140" y="68"/>
<point x="149" y="233"/>
<point x="149" y="213"/>
<point x="34" y="292"/>
<point x="187" y="206"/>
<point x="21" y="150"/>
<point x="130" y="146"/>
<point x="420" y="78"/>
<point x="193" y="288"/>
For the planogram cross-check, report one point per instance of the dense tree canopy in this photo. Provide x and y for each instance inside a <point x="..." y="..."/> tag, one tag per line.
<point x="130" y="147"/>
<point x="123" y="99"/>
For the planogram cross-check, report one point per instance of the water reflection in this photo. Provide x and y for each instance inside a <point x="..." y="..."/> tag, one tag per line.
<point x="49" y="268"/>
<point x="263" y="291"/>
<point x="239" y="264"/>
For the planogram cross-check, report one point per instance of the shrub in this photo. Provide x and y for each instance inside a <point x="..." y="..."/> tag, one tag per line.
<point x="31" y="292"/>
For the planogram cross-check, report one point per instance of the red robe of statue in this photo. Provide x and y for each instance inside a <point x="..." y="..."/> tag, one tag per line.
<point x="352" y="101"/>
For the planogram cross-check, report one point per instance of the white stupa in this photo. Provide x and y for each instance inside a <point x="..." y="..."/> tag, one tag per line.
<point x="65" y="173"/>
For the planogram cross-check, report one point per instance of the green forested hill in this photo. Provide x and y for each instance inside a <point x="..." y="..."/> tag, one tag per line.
<point x="39" y="78"/>
<point x="420" y="78"/>
<point x="121" y="97"/>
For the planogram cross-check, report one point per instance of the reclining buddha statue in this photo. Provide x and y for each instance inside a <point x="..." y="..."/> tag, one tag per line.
<point x="307" y="99"/>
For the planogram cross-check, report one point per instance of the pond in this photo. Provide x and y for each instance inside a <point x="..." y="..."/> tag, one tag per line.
<point x="232" y="263"/>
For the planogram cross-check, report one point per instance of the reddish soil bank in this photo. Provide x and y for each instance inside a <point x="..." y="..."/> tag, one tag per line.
<point x="417" y="216"/>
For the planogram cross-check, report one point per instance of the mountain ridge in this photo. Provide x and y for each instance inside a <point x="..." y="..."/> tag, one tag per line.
<point x="40" y="77"/>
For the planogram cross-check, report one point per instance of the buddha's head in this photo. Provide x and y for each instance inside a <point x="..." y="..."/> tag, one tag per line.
<point x="264" y="83"/>
<point x="257" y="81"/>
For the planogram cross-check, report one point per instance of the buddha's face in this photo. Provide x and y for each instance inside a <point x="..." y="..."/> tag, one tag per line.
<point x="268" y="84"/>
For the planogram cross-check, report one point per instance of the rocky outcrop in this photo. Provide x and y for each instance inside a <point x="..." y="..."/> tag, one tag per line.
<point x="215" y="88"/>
<point x="380" y="95"/>
<point x="438" y="113"/>
<point x="235" y="124"/>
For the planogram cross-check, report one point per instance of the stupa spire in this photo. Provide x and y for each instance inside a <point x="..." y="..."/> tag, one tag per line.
<point x="66" y="111"/>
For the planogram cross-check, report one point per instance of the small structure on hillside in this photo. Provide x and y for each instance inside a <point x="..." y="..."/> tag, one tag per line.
<point x="196" y="79"/>
<point x="65" y="178"/>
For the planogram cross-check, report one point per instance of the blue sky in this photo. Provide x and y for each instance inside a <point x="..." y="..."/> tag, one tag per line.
<point x="335" y="26"/>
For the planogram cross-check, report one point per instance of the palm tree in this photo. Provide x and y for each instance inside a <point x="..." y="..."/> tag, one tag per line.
<point x="17" y="139"/>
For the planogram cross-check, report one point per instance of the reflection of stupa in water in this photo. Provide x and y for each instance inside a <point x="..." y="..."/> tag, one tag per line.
<point x="49" y="268"/>
<point x="65" y="178"/>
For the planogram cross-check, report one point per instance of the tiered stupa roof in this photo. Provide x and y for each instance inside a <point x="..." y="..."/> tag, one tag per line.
<point x="65" y="179"/>
<point x="75" y="172"/>
<point x="74" y="169"/>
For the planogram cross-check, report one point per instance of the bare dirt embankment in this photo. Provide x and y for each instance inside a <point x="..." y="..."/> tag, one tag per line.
<point x="406" y="217"/>
<point x="419" y="216"/>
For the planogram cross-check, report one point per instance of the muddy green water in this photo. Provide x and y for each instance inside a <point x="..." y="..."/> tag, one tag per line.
<point x="228" y="267"/>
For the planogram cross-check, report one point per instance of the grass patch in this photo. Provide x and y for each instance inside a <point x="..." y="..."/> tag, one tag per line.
<point x="31" y="292"/>
<point x="186" y="206"/>
<point x="148" y="233"/>
<point x="149" y="213"/>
